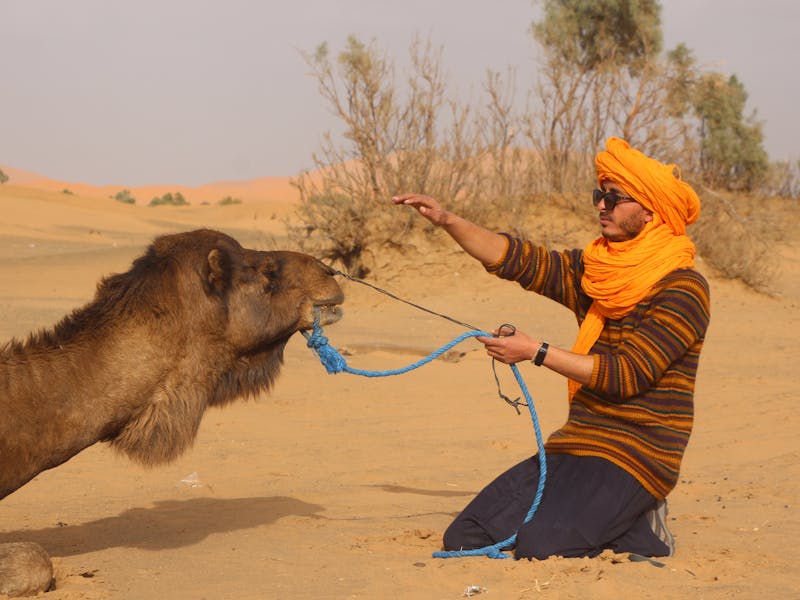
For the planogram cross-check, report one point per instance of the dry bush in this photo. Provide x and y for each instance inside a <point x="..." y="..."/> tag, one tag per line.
<point x="783" y="179"/>
<point x="736" y="245"/>
<point x="401" y="138"/>
<point x="391" y="145"/>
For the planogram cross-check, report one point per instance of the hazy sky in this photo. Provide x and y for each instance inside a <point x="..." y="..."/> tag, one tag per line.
<point x="196" y="91"/>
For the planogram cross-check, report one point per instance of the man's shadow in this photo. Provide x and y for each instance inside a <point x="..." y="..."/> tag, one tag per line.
<point x="168" y="524"/>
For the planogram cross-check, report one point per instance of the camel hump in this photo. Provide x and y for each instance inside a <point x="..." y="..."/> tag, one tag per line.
<point x="25" y="569"/>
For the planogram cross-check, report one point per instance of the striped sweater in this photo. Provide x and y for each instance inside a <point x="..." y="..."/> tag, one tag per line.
<point x="638" y="408"/>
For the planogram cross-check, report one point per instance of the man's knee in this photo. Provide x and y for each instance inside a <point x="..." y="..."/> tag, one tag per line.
<point x="465" y="534"/>
<point x="452" y="539"/>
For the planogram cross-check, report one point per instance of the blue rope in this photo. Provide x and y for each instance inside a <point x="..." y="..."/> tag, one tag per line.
<point x="495" y="551"/>
<point x="334" y="363"/>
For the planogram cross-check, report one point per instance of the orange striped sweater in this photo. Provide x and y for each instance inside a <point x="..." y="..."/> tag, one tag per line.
<point x="638" y="408"/>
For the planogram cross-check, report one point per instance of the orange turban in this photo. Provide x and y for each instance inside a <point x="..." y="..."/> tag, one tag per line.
<point x="653" y="184"/>
<point x="618" y="275"/>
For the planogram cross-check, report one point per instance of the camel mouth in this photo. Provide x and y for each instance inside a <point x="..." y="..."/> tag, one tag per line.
<point x="327" y="314"/>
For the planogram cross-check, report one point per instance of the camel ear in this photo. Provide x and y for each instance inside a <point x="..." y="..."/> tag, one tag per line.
<point x="218" y="269"/>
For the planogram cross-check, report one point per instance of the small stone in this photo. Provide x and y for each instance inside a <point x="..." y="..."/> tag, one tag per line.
<point x="25" y="569"/>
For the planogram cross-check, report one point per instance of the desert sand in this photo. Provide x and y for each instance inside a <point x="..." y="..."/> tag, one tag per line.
<point x="338" y="486"/>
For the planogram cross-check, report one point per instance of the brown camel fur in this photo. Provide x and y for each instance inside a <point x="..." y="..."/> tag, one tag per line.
<point x="197" y="321"/>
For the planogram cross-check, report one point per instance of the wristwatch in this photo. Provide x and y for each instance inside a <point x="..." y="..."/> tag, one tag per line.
<point x="538" y="359"/>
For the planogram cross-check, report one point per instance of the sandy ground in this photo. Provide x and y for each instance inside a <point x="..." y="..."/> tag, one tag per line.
<point x="337" y="486"/>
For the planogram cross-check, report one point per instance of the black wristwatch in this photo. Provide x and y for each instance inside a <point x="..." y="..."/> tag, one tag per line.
<point x="540" y="354"/>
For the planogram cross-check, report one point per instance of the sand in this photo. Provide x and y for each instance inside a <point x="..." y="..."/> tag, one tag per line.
<point x="337" y="486"/>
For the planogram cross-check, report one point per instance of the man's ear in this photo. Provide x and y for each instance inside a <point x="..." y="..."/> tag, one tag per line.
<point x="217" y="271"/>
<point x="648" y="216"/>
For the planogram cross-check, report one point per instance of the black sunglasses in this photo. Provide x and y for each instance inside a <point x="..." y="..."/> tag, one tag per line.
<point x="610" y="199"/>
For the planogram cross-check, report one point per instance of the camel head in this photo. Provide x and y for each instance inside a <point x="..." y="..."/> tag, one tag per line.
<point x="263" y="296"/>
<point x="271" y="295"/>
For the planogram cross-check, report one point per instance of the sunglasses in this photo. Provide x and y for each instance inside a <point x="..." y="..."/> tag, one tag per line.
<point x="610" y="199"/>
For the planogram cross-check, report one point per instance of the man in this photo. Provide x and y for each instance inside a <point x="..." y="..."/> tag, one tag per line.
<point x="643" y="312"/>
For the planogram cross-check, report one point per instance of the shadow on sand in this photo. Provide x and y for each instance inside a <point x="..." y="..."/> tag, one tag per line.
<point x="168" y="524"/>
<point x="399" y="489"/>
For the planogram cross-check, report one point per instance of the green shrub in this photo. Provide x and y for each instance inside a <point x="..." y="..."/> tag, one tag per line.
<point x="125" y="197"/>
<point x="169" y="199"/>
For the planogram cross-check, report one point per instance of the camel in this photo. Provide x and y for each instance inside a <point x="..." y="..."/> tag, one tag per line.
<point x="197" y="321"/>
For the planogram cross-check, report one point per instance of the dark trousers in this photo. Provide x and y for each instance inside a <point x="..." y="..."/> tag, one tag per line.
<point x="589" y="504"/>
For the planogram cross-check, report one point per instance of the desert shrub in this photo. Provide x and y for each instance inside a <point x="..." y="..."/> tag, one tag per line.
<point x="67" y="192"/>
<point x="169" y="199"/>
<point x="783" y="179"/>
<point x="345" y="230"/>
<point x="735" y="245"/>
<point x="125" y="197"/>
<point x="400" y="137"/>
<point x="228" y="200"/>
<point x="3" y="177"/>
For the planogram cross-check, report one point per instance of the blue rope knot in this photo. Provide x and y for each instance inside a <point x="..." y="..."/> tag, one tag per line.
<point x="334" y="362"/>
<point x="328" y="355"/>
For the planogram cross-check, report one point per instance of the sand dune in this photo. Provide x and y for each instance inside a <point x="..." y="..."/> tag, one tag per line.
<point x="340" y="487"/>
<point x="262" y="189"/>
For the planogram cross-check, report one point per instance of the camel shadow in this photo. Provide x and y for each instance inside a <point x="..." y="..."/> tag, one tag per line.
<point x="168" y="524"/>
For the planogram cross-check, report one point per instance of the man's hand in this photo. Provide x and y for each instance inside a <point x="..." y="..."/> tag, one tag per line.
<point x="426" y="206"/>
<point x="484" y="245"/>
<point x="510" y="349"/>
